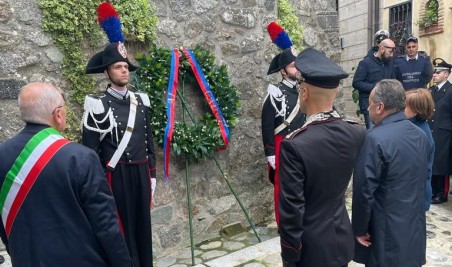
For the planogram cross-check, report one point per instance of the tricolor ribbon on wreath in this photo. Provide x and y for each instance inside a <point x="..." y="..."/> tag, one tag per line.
<point x="171" y="103"/>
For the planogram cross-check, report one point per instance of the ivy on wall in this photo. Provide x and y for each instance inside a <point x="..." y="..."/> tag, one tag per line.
<point x="289" y="21"/>
<point x="73" y="26"/>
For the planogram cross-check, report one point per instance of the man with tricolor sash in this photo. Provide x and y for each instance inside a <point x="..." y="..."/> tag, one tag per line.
<point x="57" y="208"/>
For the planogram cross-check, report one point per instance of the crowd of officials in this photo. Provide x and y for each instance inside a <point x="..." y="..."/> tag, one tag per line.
<point x="397" y="169"/>
<point x="68" y="204"/>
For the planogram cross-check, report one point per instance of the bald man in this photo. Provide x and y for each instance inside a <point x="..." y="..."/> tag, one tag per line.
<point x="372" y="69"/>
<point x="57" y="208"/>
<point x="316" y="165"/>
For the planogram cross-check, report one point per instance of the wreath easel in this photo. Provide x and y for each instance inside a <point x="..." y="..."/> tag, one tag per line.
<point x="159" y="73"/>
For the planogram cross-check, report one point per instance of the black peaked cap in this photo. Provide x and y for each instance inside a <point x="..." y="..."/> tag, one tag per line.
<point x="319" y="70"/>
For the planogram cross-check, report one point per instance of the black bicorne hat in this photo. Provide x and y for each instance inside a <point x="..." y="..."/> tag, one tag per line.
<point x="114" y="52"/>
<point x="281" y="60"/>
<point x="317" y="69"/>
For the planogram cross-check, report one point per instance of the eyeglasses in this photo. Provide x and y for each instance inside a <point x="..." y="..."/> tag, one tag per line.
<point x="412" y="38"/>
<point x="391" y="49"/>
<point x="53" y="112"/>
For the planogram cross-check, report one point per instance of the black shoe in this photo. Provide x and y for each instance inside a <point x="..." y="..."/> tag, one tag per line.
<point x="438" y="200"/>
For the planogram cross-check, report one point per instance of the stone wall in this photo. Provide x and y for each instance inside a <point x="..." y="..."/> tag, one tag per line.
<point x="235" y="31"/>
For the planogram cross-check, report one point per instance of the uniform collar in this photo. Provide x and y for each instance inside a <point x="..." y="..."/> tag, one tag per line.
<point x="321" y="116"/>
<point x="289" y="83"/>
<point x="439" y="85"/>
<point x="116" y="94"/>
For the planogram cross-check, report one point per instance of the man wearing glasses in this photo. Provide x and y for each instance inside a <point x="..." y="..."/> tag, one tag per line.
<point x="413" y="69"/>
<point x="57" y="207"/>
<point x="441" y="126"/>
<point x="372" y="69"/>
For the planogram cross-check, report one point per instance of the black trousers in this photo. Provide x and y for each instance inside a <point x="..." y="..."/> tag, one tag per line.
<point x="440" y="186"/>
<point x="130" y="184"/>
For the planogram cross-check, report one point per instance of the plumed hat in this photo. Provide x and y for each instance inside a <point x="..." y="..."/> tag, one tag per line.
<point x="114" y="52"/>
<point x="108" y="19"/>
<point x="281" y="60"/>
<point x="319" y="70"/>
<point x="280" y="37"/>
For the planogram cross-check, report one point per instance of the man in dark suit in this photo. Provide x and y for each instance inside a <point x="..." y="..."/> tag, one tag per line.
<point x="441" y="126"/>
<point x="388" y="209"/>
<point x="316" y="165"/>
<point x="57" y="208"/>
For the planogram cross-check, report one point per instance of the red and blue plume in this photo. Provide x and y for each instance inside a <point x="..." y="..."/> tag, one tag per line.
<point x="108" y="19"/>
<point x="279" y="36"/>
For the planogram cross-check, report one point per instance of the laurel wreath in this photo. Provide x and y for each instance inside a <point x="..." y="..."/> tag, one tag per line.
<point x="191" y="138"/>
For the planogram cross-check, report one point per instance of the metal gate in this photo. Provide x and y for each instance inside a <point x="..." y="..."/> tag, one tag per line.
<point x="400" y="25"/>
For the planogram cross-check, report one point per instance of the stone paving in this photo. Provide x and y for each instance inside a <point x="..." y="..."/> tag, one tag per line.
<point x="244" y="250"/>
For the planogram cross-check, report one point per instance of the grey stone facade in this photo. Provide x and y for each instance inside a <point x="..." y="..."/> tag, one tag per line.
<point x="235" y="30"/>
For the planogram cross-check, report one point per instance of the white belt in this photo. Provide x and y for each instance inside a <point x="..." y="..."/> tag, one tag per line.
<point x="289" y="119"/>
<point x="127" y="135"/>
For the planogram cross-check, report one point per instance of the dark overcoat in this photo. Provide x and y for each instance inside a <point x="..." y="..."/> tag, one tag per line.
<point x="316" y="166"/>
<point x="441" y="126"/>
<point x="389" y="192"/>
<point x="68" y="218"/>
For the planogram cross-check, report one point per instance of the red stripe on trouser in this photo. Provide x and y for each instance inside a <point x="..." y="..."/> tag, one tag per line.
<point x="446" y="186"/>
<point x="278" y="139"/>
<point x="117" y="213"/>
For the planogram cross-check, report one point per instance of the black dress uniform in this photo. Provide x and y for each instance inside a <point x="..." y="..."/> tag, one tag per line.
<point x="280" y="116"/>
<point x="105" y="121"/>
<point x="441" y="126"/>
<point x="316" y="165"/>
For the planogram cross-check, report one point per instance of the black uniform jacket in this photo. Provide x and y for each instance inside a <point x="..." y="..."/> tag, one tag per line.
<point x="316" y="166"/>
<point x="69" y="216"/>
<point x="441" y="126"/>
<point x="140" y="147"/>
<point x="270" y="119"/>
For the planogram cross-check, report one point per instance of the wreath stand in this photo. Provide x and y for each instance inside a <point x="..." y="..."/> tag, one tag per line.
<point x="187" y="182"/>
<point x="152" y="77"/>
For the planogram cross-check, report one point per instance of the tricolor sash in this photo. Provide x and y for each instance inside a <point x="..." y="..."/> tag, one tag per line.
<point x="20" y="178"/>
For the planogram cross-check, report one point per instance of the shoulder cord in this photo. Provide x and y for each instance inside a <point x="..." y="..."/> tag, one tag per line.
<point x="281" y="99"/>
<point x="96" y="129"/>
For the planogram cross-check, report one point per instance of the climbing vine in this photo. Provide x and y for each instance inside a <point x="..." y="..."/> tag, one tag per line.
<point x="73" y="26"/>
<point x="289" y="21"/>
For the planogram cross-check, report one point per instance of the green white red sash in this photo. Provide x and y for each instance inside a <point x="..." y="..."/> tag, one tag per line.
<point x="25" y="170"/>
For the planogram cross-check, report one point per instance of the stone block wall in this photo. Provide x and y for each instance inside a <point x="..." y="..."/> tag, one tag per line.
<point x="235" y="30"/>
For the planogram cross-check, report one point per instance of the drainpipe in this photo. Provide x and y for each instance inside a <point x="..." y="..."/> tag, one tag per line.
<point x="370" y="31"/>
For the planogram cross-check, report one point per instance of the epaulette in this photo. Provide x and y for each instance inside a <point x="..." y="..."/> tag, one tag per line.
<point x="145" y="98"/>
<point x="294" y="133"/>
<point x="93" y="103"/>
<point x="274" y="90"/>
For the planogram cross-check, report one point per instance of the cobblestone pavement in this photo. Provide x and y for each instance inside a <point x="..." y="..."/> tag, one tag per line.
<point x="244" y="250"/>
